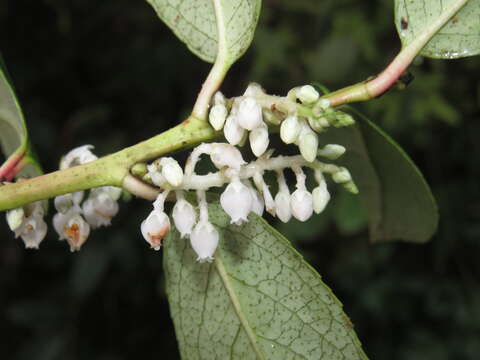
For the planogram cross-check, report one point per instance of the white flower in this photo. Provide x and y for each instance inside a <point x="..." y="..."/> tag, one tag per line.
<point x="15" y="218"/>
<point x="99" y="209"/>
<point x="321" y="196"/>
<point x="204" y="240"/>
<point x="282" y="204"/>
<point x="232" y="131"/>
<point x="226" y="155"/>
<point x="236" y="200"/>
<point x="301" y="204"/>
<point x="259" y="139"/>
<point x="171" y="171"/>
<point x="249" y="115"/>
<point x="217" y="116"/>
<point x="60" y="221"/>
<point x="290" y="129"/>
<point x="32" y="231"/>
<point x="184" y="217"/>
<point x="308" y="143"/>
<point x="78" y="156"/>
<point x="155" y="227"/>
<point x="307" y="94"/>
<point x="76" y="231"/>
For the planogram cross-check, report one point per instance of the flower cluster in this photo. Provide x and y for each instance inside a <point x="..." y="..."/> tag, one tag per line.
<point x="246" y="191"/>
<point x="74" y="218"/>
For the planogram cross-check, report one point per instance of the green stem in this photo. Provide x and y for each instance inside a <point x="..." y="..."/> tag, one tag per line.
<point x="111" y="170"/>
<point x="370" y="89"/>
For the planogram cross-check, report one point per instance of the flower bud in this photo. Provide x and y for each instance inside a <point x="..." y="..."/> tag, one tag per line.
<point x="259" y="139"/>
<point x="307" y="94"/>
<point x="76" y="231"/>
<point x="232" y="131"/>
<point x="249" y="113"/>
<point x="184" y="217"/>
<point x="99" y="210"/>
<point x="343" y="119"/>
<point x="217" y="116"/>
<point x="301" y="204"/>
<point x="15" y="218"/>
<point x="253" y="90"/>
<point x="204" y="240"/>
<point x="236" y="200"/>
<point x="218" y="98"/>
<point x="290" y="129"/>
<point x="321" y="196"/>
<point x="154" y="228"/>
<point x="282" y="204"/>
<point x="342" y="176"/>
<point x="33" y="231"/>
<point x="226" y="155"/>
<point x="171" y="171"/>
<point x="308" y="144"/>
<point x="331" y="151"/>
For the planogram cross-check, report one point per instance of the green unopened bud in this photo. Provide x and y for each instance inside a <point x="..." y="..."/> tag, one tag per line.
<point x="308" y="144"/>
<point x="331" y="151"/>
<point x="217" y="116"/>
<point x="15" y="218"/>
<point x="315" y="125"/>
<point x="307" y="94"/>
<point x="342" y="176"/>
<point x="351" y="187"/>
<point x="343" y="119"/>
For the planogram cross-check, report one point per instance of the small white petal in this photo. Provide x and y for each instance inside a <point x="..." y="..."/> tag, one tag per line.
<point x="154" y="228"/>
<point x="78" y="156"/>
<point x="171" y="171"/>
<point x="99" y="210"/>
<point x="259" y="139"/>
<point x="282" y="203"/>
<point x="217" y="116"/>
<point x="258" y="204"/>
<point x="114" y="192"/>
<point x="226" y="155"/>
<point x="249" y="113"/>
<point x="63" y="203"/>
<point x="15" y="218"/>
<point x="307" y="94"/>
<point x="290" y="129"/>
<point x="76" y="232"/>
<point x="204" y="241"/>
<point x="218" y="98"/>
<point x="301" y="204"/>
<point x="321" y="196"/>
<point x="184" y="217"/>
<point x="236" y="200"/>
<point x="232" y="131"/>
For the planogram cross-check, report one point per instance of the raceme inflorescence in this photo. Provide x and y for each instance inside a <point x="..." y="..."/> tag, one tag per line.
<point x="247" y="186"/>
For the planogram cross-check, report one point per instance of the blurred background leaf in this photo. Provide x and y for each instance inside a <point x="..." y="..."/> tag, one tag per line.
<point x="113" y="67"/>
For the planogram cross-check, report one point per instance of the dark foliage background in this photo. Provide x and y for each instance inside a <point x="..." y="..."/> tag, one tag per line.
<point x="109" y="73"/>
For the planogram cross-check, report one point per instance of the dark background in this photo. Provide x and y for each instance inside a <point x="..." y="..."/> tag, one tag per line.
<point x="109" y="73"/>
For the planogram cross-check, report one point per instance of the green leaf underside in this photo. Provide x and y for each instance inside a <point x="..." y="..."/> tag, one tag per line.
<point x="398" y="201"/>
<point x="460" y="37"/>
<point x="194" y="23"/>
<point x="258" y="300"/>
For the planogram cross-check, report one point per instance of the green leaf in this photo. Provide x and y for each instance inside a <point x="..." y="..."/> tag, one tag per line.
<point x="195" y="23"/>
<point x="398" y="201"/>
<point x="258" y="300"/>
<point x="14" y="142"/>
<point x="460" y="37"/>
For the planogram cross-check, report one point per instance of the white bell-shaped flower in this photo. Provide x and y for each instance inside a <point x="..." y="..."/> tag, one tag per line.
<point x="249" y="113"/>
<point x="184" y="217"/>
<point x="258" y="205"/>
<point x="60" y="221"/>
<point x="226" y="155"/>
<point x="171" y="171"/>
<point x="15" y="218"/>
<point x="155" y="227"/>
<point x="290" y="129"/>
<point x="233" y="131"/>
<point x="307" y="94"/>
<point x="204" y="239"/>
<point x="78" y="156"/>
<point x="217" y="116"/>
<point x="76" y="231"/>
<point x="282" y="204"/>
<point x="321" y="196"/>
<point x="236" y="200"/>
<point x="332" y="151"/>
<point x="33" y="231"/>
<point x="308" y="144"/>
<point x="99" y="210"/>
<point x="259" y="139"/>
<point x="301" y="204"/>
